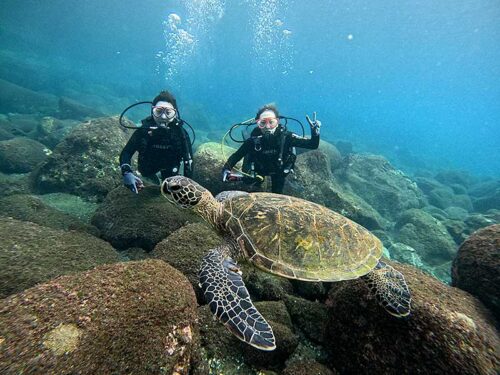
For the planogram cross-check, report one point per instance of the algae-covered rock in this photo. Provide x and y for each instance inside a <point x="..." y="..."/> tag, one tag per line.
<point x="50" y="131"/>
<point x="141" y="220"/>
<point x="14" y="184"/>
<point x="30" y="208"/>
<point x="424" y="233"/>
<point x="405" y="254"/>
<point x="30" y="254"/>
<point x="185" y="248"/>
<point x="454" y="177"/>
<point x="21" y="155"/>
<point x="448" y="331"/>
<point x="313" y="181"/>
<point x="310" y="317"/>
<point x="445" y="197"/>
<point x="476" y="268"/>
<point x="381" y="185"/>
<point x="70" y="204"/>
<point x="128" y="318"/>
<point x="264" y="286"/>
<point x="85" y="162"/>
<point x="208" y="161"/>
<point x="17" y="99"/>
<point x="307" y="367"/>
<point x="71" y="109"/>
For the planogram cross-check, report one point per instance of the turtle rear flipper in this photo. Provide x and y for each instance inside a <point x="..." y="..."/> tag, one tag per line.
<point x="390" y="289"/>
<point x="229" y="301"/>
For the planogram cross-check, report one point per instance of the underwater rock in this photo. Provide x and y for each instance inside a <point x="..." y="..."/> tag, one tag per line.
<point x="307" y="367"/>
<point x="72" y="109"/>
<point x="444" y="198"/>
<point x="310" y="317"/>
<point x="140" y="220"/>
<point x="385" y="188"/>
<point x="313" y="291"/>
<point x="264" y="286"/>
<point x="437" y="213"/>
<point x="476" y="268"/>
<point x="135" y="317"/>
<point x="313" y="181"/>
<point x="456" y="213"/>
<point x="86" y="162"/>
<point x="30" y="208"/>
<point x="448" y="331"/>
<point x="484" y="188"/>
<point x="276" y="311"/>
<point x="31" y="253"/>
<point x="491" y="201"/>
<point x="452" y="177"/>
<point x="71" y="204"/>
<point x="14" y="184"/>
<point x="427" y="235"/>
<point x="50" y="131"/>
<point x="17" y="99"/>
<point x="405" y="254"/>
<point x="134" y="253"/>
<point x="427" y="184"/>
<point x="334" y="156"/>
<point x="21" y="155"/>
<point x="4" y="134"/>
<point x="345" y="148"/>
<point x="208" y="161"/>
<point x="22" y="125"/>
<point x="185" y="248"/>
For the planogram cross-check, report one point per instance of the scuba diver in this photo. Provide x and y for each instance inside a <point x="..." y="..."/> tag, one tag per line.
<point x="161" y="142"/>
<point x="270" y="150"/>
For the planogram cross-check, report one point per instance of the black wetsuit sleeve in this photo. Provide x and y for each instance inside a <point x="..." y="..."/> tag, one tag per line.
<point x="239" y="154"/>
<point x="130" y="149"/>
<point x="312" y="143"/>
<point x="188" y="157"/>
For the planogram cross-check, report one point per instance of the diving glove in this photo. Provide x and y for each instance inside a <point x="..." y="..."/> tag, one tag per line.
<point x="225" y="174"/>
<point x="132" y="182"/>
<point x="314" y="124"/>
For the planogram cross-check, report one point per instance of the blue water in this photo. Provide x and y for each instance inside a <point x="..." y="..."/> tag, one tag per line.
<point x="417" y="78"/>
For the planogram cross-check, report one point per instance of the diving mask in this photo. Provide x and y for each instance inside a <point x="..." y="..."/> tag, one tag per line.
<point x="164" y="112"/>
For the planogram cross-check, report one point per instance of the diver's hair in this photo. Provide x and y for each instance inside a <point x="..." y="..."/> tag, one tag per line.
<point x="165" y="96"/>
<point x="268" y="107"/>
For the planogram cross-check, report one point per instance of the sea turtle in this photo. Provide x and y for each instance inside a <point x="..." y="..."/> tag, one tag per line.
<point x="286" y="236"/>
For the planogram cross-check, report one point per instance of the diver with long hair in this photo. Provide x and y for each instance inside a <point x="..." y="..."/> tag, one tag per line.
<point x="270" y="150"/>
<point x="161" y="142"/>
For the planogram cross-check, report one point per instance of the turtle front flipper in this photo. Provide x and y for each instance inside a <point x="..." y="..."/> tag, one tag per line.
<point x="390" y="289"/>
<point x="229" y="301"/>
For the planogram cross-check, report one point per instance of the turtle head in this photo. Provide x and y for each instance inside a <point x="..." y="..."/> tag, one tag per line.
<point x="184" y="192"/>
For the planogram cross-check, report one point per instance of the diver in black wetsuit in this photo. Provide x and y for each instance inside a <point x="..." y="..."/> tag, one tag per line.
<point x="270" y="151"/>
<point x="162" y="144"/>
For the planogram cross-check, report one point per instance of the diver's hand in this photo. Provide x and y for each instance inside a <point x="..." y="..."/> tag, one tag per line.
<point x="132" y="182"/>
<point x="314" y="123"/>
<point x="225" y="174"/>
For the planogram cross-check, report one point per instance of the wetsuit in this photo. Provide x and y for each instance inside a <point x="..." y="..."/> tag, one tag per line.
<point x="263" y="152"/>
<point x="160" y="150"/>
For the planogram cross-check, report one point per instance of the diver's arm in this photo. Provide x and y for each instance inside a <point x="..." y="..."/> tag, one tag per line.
<point x="188" y="157"/>
<point x="239" y="154"/>
<point x="128" y="151"/>
<point x="312" y="143"/>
